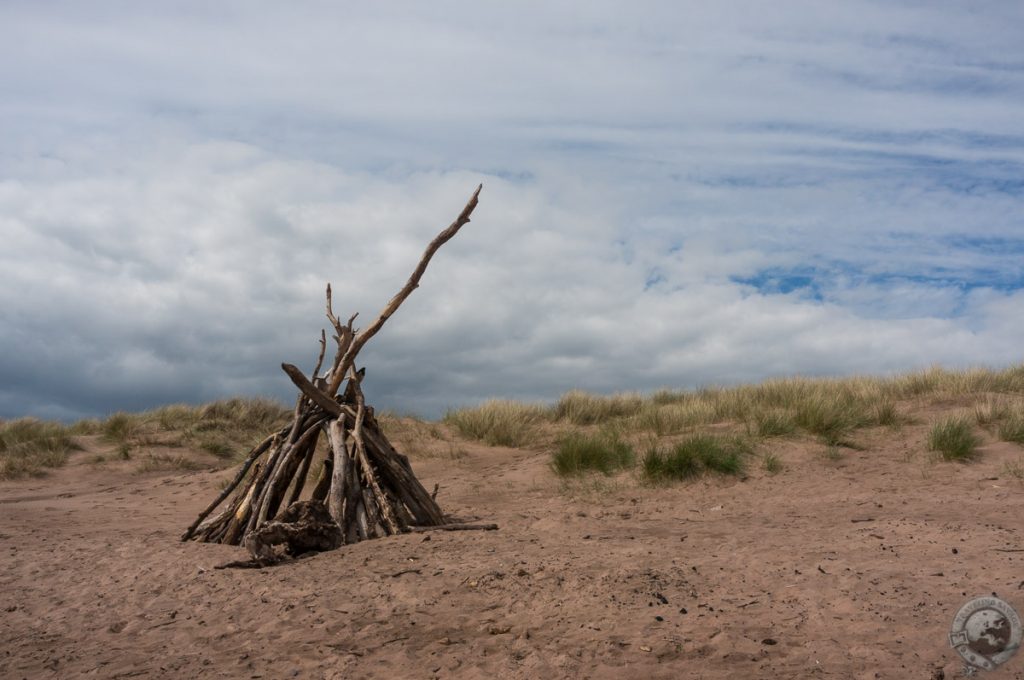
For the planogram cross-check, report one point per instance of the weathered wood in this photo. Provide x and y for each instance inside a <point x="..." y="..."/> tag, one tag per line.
<point x="392" y="306"/>
<point x="323" y="350"/>
<point x="366" y="487"/>
<point x="323" y="481"/>
<point x="300" y="476"/>
<point x="456" y="527"/>
<point x="316" y="395"/>
<point x="240" y="517"/>
<point x="336" y="435"/>
<point x="253" y="455"/>
<point x="272" y="492"/>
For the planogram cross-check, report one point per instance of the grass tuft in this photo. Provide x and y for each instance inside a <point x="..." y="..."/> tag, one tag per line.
<point x="582" y="408"/>
<point x="833" y="453"/>
<point x="217" y="447"/>
<point x="28" y="446"/>
<point x="1012" y="429"/>
<point x="886" y="413"/>
<point x="772" y="464"/>
<point x="602" y="452"/>
<point x="121" y="427"/>
<point x="162" y="462"/>
<point x="774" y="422"/>
<point x="954" y="438"/>
<point x="694" y="455"/>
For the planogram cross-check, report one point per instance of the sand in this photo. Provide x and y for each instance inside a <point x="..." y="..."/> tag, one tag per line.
<point x="848" y="568"/>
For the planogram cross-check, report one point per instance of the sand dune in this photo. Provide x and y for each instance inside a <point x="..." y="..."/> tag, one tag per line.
<point x="848" y="568"/>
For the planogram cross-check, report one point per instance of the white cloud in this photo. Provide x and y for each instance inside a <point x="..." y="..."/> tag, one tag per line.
<point x="674" y="195"/>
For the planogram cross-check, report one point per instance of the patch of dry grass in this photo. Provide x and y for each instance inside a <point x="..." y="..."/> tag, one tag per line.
<point x="227" y="428"/>
<point x="161" y="462"/>
<point x="498" y="422"/>
<point x="28" y="446"/>
<point x="224" y="428"/>
<point x="582" y="408"/>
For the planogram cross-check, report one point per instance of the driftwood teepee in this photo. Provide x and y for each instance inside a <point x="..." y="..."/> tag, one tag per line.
<point x="367" y="487"/>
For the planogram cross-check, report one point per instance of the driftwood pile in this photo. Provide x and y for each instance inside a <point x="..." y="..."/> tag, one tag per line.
<point x="365" y="486"/>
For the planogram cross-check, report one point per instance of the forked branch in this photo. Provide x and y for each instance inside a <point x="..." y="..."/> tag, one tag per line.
<point x="362" y="337"/>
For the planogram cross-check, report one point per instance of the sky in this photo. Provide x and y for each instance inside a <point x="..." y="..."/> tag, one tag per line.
<point x="676" y="194"/>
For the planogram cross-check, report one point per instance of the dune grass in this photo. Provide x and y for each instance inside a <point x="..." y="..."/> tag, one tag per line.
<point x="582" y="408"/>
<point x="226" y="429"/>
<point x="695" y="455"/>
<point x="953" y="438"/>
<point x="1012" y="428"/>
<point x="602" y="452"/>
<point x="498" y="422"/>
<point x="28" y="446"/>
<point x="160" y="462"/>
<point x="831" y="410"/>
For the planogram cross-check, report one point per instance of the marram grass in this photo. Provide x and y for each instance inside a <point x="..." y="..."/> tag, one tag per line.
<point x="602" y="452"/>
<point x="954" y="438"/>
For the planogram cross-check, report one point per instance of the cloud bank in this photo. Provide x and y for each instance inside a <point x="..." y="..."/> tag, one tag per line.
<point x="673" y="195"/>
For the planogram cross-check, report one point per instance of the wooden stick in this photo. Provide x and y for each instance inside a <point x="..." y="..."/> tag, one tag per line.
<point x="316" y="395"/>
<point x="269" y="499"/>
<point x="339" y="471"/>
<point x="455" y="527"/>
<point x="323" y="482"/>
<point x="240" y="516"/>
<point x="253" y="455"/>
<point x="323" y="349"/>
<point x="303" y="472"/>
<point x="414" y="281"/>
<point x="390" y="524"/>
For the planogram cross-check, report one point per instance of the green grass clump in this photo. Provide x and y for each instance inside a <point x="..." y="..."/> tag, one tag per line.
<point x="954" y="438"/>
<point x="28" y="446"/>
<point x="676" y="465"/>
<point x="694" y="455"/>
<point x="498" y="422"/>
<point x="603" y="452"/>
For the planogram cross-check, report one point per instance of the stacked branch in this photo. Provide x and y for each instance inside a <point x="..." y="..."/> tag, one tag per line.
<point x="367" y="487"/>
